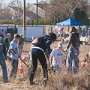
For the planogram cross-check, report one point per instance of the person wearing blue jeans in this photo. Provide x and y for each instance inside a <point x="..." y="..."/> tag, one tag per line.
<point x="4" y="67"/>
<point x="73" y="60"/>
<point x="2" y="61"/>
<point x="73" y="51"/>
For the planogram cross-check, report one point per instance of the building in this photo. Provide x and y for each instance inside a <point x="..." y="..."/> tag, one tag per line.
<point x="31" y="11"/>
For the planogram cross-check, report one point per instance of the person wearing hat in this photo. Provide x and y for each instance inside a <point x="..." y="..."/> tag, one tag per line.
<point x="56" y="58"/>
<point x="7" y="42"/>
<point x="14" y="55"/>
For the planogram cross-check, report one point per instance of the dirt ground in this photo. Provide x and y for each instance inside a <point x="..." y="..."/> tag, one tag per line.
<point x="54" y="82"/>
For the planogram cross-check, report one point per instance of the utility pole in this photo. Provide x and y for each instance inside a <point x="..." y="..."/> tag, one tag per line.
<point x="24" y="20"/>
<point x="37" y="11"/>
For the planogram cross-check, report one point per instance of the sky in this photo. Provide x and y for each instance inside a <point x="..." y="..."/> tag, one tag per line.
<point x="30" y="1"/>
<point x="6" y="2"/>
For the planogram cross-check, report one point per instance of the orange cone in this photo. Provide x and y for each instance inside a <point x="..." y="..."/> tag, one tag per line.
<point x="21" y="70"/>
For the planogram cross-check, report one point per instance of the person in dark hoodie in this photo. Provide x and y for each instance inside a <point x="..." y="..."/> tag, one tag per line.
<point x="2" y="59"/>
<point x="40" y="48"/>
<point x="73" y="51"/>
<point x="4" y="46"/>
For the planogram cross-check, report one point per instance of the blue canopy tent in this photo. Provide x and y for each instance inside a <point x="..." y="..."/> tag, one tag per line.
<point x="69" y="22"/>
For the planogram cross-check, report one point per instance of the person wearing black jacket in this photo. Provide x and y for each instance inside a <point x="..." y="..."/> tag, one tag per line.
<point x="73" y="51"/>
<point x="40" y="48"/>
<point x="2" y="59"/>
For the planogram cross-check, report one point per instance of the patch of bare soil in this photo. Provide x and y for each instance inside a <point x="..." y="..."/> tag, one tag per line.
<point x="57" y="81"/>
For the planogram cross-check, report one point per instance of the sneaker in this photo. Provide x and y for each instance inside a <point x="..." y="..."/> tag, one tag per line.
<point x="44" y="83"/>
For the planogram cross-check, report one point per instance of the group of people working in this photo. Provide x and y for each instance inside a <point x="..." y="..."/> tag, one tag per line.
<point x="12" y="49"/>
<point x="40" y="50"/>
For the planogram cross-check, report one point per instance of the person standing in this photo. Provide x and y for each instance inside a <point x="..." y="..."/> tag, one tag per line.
<point x="20" y="44"/>
<point x="56" y="58"/>
<point x="7" y="42"/>
<point x="73" y="51"/>
<point x="2" y="60"/>
<point x="4" y="46"/>
<point x="14" y="54"/>
<point x="39" y="49"/>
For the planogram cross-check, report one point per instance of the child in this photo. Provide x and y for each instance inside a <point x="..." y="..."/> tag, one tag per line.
<point x="56" y="57"/>
<point x="84" y="63"/>
<point x="14" y="54"/>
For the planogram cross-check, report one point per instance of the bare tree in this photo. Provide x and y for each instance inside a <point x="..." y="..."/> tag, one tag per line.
<point x="7" y="14"/>
<point x="4" y="12"/>
<point x="16" y="6"/>
<point x="1" y="10"/>
<point x="59" y="10"/>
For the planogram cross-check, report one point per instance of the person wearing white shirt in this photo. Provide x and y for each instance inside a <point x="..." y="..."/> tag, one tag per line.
<point x="56" y="57"/>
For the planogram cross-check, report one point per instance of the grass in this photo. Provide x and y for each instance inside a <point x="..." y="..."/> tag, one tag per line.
<point x="57" y="81"/>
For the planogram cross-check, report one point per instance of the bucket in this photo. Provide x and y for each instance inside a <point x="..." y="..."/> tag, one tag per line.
<point x="21" y="70"/>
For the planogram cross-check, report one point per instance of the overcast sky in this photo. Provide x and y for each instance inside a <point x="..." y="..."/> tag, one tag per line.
<point x="5" y="2"/>
<point x="30" y="1"/>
